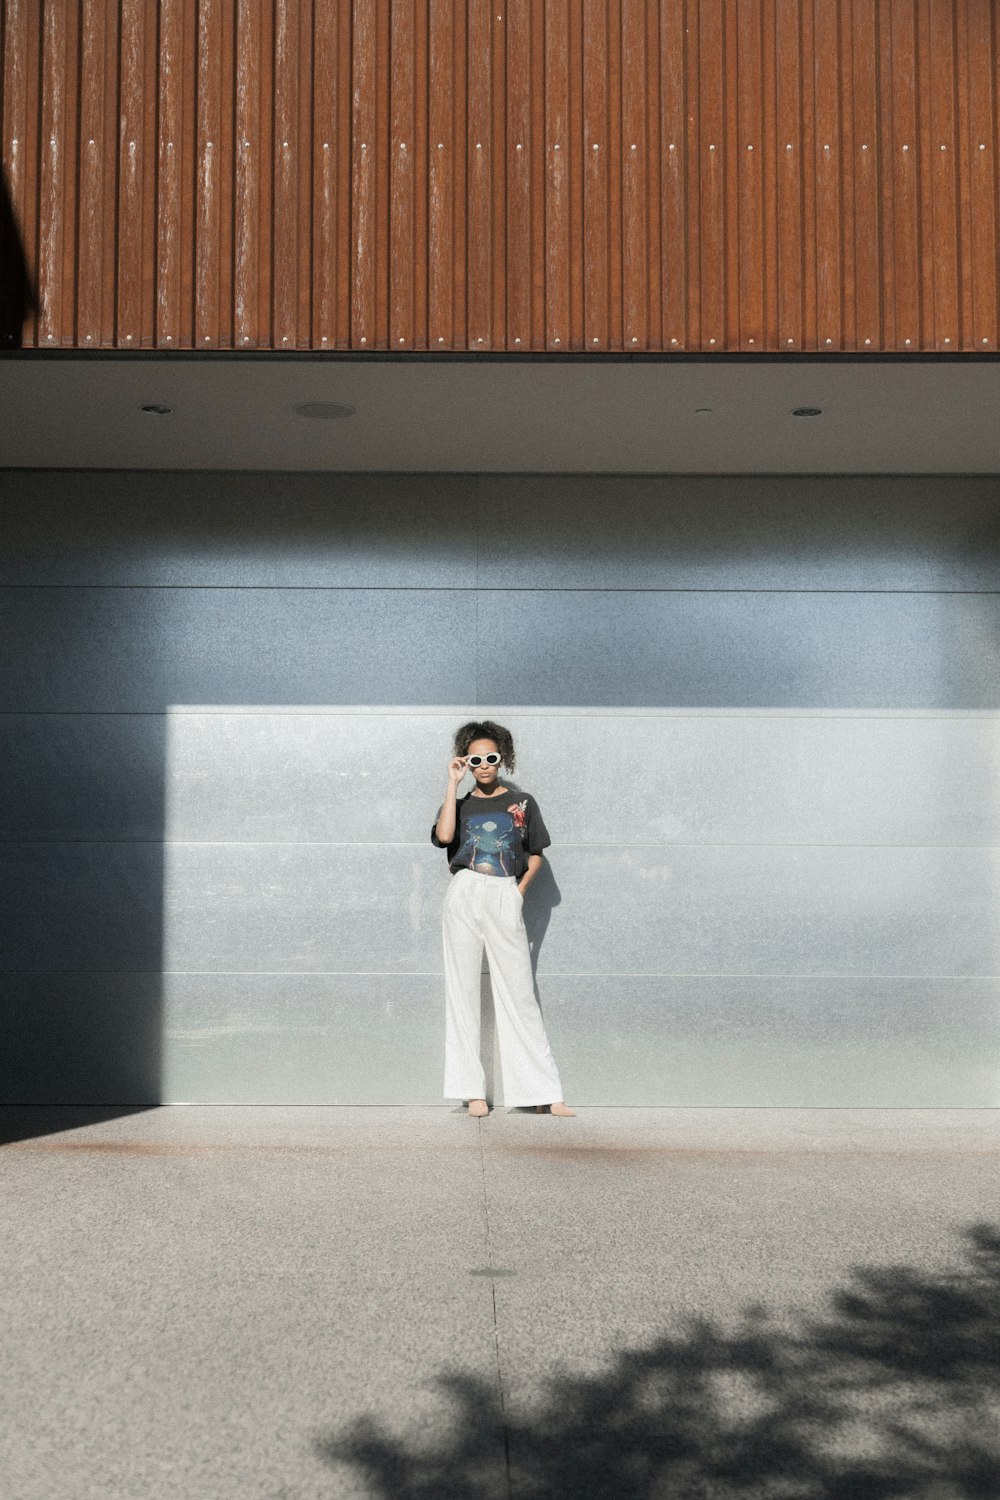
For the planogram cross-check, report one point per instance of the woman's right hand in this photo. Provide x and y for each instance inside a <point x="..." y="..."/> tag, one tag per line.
<point x="457" y="769"/>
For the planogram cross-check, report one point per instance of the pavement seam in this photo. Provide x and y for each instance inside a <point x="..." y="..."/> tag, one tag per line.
<point x="493" y="1297"/>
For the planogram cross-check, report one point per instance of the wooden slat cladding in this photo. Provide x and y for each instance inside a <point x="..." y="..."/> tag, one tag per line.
<point x="552" y="175"/>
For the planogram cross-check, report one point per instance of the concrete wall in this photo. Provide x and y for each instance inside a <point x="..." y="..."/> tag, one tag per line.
<point x="760" y="716"/>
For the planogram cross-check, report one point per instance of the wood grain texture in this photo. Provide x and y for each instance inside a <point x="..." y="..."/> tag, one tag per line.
<point x="560" y="175"/>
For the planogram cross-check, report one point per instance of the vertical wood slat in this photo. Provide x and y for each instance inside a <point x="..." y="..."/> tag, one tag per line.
<point x="788" y="170"/>
<point x="557" y="225"/>
<point x="867" y="301"/>
<point x="982" y="148"/>
<point x="169" y="249"/>
<point x="902" y="173"/>
<point x="635" y="147"/>
<point x="711" y="150"/>
<point x="521" y="148"/>
<point x="91" y="209"/>
<point x="674" y="226"/>
<point x="363" y="179"/>
<point x="768" y="175"/>
<point x="402" y="153"/>
<point x="941" y="103"/>
<point x="158" y="205"/>
<point x="52" y="166"/>
<point x="615" y="175"/>
<point x="441" y="176"/>
<point x="330" y="147"/>
<point x="597" y="150"/>
<point x="209" y="160"/>
<point x="479" y="253"/>
<point x="831" y="139"/>
<point x="247" y="150"/>
<point x="288" y="16"/>
<point x="750" y="154"/>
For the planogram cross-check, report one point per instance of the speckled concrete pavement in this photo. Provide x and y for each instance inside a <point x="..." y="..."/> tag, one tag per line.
<point x="215" y="1303"/>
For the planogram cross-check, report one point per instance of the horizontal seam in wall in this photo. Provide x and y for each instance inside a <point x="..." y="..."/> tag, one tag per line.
<point x="419" y="844"/>
<point x="472" y="588"/>
<point x="867" y="978"/>
<point x="292" y="711"/>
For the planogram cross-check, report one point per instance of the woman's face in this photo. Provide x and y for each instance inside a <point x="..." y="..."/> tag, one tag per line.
<point x="485" y="776"/>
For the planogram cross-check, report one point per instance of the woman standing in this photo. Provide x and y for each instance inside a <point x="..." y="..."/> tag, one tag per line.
<point x="494" y="838"/>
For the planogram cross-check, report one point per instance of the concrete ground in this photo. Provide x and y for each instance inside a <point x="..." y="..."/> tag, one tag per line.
<point x="215" y="1303"/>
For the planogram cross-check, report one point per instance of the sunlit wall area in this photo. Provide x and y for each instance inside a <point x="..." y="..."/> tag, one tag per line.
<point x="761" y="716"/>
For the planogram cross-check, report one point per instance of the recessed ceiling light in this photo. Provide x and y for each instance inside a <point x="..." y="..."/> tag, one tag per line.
<point x="328" y="409"/>
<point x="808" y="411"/>
<point x="160" y="411"/>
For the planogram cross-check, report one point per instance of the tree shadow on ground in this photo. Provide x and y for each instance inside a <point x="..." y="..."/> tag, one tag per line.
<point x="892" y="1395"/>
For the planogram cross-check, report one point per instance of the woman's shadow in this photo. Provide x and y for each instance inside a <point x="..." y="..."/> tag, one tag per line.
<point x="542" y="897"/>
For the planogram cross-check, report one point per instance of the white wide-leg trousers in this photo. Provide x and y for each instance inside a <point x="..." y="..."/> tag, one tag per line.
<point x="480" y="909"/>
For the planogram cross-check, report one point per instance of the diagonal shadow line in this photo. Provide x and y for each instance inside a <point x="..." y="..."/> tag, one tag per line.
<point x="894" y="1394"/>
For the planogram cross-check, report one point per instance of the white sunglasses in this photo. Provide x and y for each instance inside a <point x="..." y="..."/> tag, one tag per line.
<point x="493" y="759"/>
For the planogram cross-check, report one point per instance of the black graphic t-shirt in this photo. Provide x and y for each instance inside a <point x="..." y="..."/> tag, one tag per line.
<point x="495" y="834"/>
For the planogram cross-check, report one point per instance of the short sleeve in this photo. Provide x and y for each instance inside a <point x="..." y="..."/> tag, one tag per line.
<point x="536" y="837"/>
<point x="434" y="838"/>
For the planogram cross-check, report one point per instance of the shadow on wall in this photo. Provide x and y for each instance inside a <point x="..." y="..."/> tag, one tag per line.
<point x="893" y="1394"/>
<point x="17" y="295"/>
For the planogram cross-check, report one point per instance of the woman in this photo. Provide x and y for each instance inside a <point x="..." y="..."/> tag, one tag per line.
<point x="494" y="839"/>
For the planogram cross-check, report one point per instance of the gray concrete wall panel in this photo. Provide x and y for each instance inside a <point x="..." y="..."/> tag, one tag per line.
<point x="124" y="650"/>
<point x="369" y="908"/>
<point x="306" y="775"/>
<point x="600" y="648"/>
<point x="760" y="714"/>
<point x="246" y="530"/>
<point x="705" y="1040"/>
<point x="739" y="531"/>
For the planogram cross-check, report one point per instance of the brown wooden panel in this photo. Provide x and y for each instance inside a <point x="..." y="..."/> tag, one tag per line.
<point x="711" y="145"/>
<point x="441" y="176"/>
<point x="288" y="16"/>
<point x="557" y="207"/>
<point x="635" y="186"/>
<point x="247" y="315"/>
<point x="676" y="231"/>
<point x="902" y="177"/>
<point x="788" y="170"/>
<point x="363" y="174"/>
<point x="941" y="98"/>
<point x="53" y="165"/>
<point x="597" y="150"/>
<point x="480" y="183"/>
<point x="331" y="147"/>
<point x="209" y="162"/>
<point x="402" y="153"/>
<point x="749" y="165"/>
<point x="867" y="302"/>
<point x="832" y="139"/>
<point x="521" y="147"/>
<point x="981" y="149"/>
<point x="92" y="208"/>
<point x="585" y="175"/>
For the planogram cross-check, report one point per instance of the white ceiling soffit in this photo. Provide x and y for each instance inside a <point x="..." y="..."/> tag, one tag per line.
<point x="496" y="415"/>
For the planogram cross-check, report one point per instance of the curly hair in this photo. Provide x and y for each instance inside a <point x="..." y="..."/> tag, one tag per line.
<point x="486" y="729"/>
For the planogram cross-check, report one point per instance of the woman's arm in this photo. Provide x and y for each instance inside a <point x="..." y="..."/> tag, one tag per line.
<point x="534" y="865"/>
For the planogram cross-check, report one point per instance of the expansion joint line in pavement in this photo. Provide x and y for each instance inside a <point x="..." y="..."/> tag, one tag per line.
<point x="493" y="1294"/>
